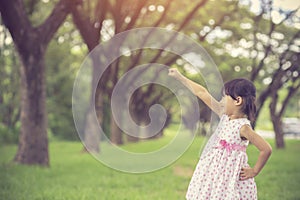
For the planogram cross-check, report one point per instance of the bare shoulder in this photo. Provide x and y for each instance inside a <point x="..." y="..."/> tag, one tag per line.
<point x="246" y="128"/>
<point x="247" y="131"/>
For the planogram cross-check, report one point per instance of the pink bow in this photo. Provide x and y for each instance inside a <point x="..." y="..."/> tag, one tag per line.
<point x="229" y="147"/>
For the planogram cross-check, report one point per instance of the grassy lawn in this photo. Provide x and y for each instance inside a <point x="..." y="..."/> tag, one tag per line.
<point x="74" y="175"/>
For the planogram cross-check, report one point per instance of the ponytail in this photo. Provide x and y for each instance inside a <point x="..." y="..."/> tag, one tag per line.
<point x="249" y="107"/>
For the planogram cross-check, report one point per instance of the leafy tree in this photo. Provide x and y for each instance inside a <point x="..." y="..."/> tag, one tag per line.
<point x="276" y="61"/>
<point x="266" y="51"/>
<point x="31" y="43"/>
<point x="98" y="21"/>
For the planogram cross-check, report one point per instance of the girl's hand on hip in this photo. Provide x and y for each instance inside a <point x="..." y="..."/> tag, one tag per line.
<point x="246" y="173"/>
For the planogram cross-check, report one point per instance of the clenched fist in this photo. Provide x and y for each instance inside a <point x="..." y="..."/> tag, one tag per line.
<point x="174" y="73"/>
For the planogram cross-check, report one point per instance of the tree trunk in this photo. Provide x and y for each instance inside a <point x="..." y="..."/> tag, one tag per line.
<point x="115" y="132"/>
<point x="156" y="136"/>
<point x="279" y="136"/>
<point x="132" y="138"/>
<point x="91" y="36"/>
<point x="135" y="118"/>
<point x="276" y="120"/>
<point x="33" y="142"/>
<point x="91" y="135"/>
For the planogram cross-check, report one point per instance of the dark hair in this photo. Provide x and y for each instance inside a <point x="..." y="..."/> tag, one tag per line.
<point x="245" y="89"/>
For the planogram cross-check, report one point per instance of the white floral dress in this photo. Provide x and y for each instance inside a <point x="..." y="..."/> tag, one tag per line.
<point x="216" y="175"/>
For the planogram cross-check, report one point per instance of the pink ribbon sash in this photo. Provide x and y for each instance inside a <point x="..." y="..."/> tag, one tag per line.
<point x="229" y="147"/>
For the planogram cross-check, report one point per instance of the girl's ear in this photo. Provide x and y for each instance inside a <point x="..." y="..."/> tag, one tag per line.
<point x="239" y="101"/>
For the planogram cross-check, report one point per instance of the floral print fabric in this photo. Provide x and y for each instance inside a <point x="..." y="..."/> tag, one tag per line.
<point x="216" y="175"/>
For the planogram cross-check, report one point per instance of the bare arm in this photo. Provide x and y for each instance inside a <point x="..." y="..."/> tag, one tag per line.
<point x="198" y="90"/>
<point x="264" y="148"/>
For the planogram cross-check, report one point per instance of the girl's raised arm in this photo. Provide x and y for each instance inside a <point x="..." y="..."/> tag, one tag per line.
<point x="199" y="91"/>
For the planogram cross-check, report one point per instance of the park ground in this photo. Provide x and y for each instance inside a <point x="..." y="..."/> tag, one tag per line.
<point x="74" y="175"/>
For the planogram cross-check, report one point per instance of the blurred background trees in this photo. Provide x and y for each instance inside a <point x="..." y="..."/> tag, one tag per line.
<point x="261" y="44"/>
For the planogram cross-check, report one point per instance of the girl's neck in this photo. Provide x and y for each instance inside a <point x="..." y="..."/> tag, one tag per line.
<point x="237" y="116"/>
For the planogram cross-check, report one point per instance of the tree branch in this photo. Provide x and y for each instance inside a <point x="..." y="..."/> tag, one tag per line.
<point x="89" y="33"/>
<point x="164" y="14"/>
<point x="282" y="56"/>
<point x="118" y="15"/>
<point x="136" y="14"/>
<point x="292" y="90"/>
<point x="55" y="19"/>
<point x="100" y="13"/>
<point x="137" y="58"/>
<point x="268" y="47"/>
<point x="15" y="19"/>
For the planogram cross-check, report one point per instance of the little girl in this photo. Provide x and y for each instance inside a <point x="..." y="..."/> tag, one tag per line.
<point x="222" y="171"/>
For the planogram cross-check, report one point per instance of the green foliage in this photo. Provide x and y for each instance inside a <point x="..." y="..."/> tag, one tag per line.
<point x="9" y="135"/>
<point x="38" y="10"/>
<point x="62" y="65"/>
<point x="9" y="89"/>
<point x="66" y="52"/>
<point x="264" y="120"/>
<point x="293" y="110"/>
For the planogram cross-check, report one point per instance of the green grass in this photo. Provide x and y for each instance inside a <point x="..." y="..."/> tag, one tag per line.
<point x="74" y="175"/>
